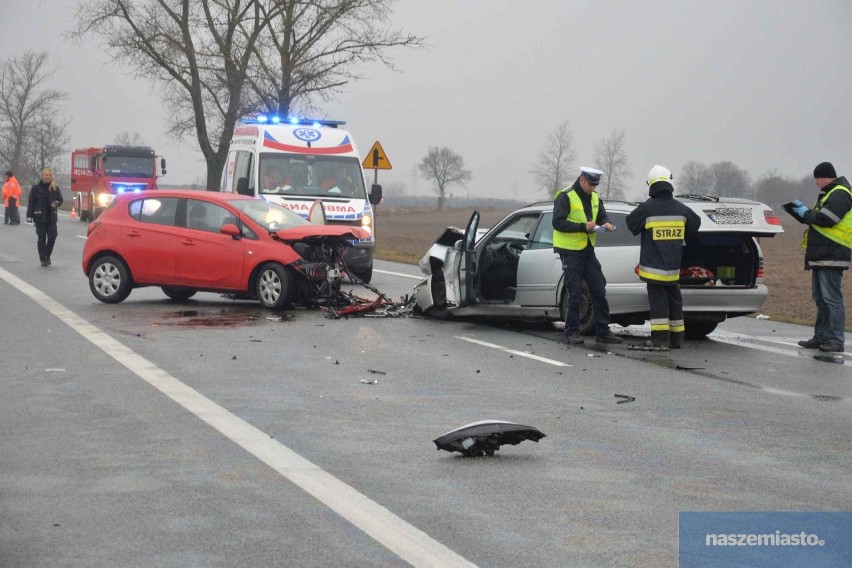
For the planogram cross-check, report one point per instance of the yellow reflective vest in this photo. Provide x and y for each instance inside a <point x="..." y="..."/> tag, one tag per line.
<point x="576" y="240"/>
<point x="841" y="233"/>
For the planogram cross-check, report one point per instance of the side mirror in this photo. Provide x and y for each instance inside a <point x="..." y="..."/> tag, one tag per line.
<point x="376" y="194"/>
<point x="243" y="186"/>
<point x="163" y="165"/>
<point x="230" y="229"/>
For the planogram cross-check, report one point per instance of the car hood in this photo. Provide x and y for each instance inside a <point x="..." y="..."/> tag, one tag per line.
<point x="307" y="231"/>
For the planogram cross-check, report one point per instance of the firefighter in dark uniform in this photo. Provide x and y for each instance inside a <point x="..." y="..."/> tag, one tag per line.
<point x="578" y="214"/>
<point x="664" y="223"/>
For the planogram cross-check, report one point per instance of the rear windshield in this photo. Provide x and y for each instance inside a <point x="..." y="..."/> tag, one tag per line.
<point x="269" y="215"/>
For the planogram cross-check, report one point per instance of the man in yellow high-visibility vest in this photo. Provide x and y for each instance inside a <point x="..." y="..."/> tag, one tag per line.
<point x="828" y="252"/>
<point x="578" y="215"/>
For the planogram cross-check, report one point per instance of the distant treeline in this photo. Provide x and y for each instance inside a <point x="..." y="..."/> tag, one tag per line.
<point x="413" y="201"/>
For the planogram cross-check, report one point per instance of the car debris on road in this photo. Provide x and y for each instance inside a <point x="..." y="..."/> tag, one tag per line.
<point x="485" y="437"/>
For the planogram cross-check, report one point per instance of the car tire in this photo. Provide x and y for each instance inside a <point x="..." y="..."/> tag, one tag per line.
<point x="699" y="329"/>
<point x="273" y="286"/>
<point x="365" y="274"/>
<point x="109" y="279"/>
<point x="587" y="321"/>
<point x="178" y="294"/>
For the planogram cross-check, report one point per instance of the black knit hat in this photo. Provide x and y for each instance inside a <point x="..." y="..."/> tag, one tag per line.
<point x="8" y="173"/>
<point x="825" y="170"/>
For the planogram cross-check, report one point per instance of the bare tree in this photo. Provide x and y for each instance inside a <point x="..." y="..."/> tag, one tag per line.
<point x="445" y="168"/>
<point x="611" y="159"/>
<point x="197" y="51"/>
<point x="125" y="138"/>
<point x="46" y="142"/>
<point x="552" y="167"/>
<point x="213" y="59"/>
<point x="730" y="180"/>
<point x="310" y="49"/>
<point x="775" y="190"/>
<point x="695" y="179"/>
<point x="25" y="99"/>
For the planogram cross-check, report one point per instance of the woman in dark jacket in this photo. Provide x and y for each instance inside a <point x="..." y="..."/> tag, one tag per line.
<point x="42" y="205"/>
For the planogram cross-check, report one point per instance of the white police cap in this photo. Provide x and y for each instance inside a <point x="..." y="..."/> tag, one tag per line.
<point x="591" y="174"/>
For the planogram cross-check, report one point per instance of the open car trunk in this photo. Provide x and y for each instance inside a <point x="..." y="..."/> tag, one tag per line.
<point x="720" y="259"/>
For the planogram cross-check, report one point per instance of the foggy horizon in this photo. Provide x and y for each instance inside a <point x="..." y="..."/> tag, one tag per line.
<point x="760" y="84"/>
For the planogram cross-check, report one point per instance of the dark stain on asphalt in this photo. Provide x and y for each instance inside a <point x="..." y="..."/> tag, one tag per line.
<point x="827" y="398"/>
<point x="210" y="318"/>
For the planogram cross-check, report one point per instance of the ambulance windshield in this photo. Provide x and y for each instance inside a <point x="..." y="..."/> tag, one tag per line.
<point x="314" y="176"/>
<point x="129" y="166"/>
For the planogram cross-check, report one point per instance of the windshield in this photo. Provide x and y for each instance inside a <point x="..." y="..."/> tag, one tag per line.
<point x="129" y="166"/>
<point x="315" y="176"/>
<point x="269" y="215"/>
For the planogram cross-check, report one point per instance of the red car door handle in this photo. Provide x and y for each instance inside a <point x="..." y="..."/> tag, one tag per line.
<point x="188" y="243"/>
<point x="134" y="234"/>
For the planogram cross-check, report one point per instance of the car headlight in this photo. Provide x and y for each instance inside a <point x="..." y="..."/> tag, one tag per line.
<point x="366" y="221"/>
<point x="105" y="199"/>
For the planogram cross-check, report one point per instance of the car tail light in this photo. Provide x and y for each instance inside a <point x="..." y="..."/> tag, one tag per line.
<point x="92" y="226"/>
<point x="761" y="271"/>
<point x="770" y="217"/>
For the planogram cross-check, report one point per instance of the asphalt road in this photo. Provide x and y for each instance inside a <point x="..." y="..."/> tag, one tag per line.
<point x="211" y="433"/>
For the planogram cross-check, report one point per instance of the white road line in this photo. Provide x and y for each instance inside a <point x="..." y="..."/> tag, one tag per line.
<point x="513" y="351"/>
<point x="81" y="237"/>
<point x="738" y="339"/>
<point x="408" y="542"/>
<point x="397" y="274"/>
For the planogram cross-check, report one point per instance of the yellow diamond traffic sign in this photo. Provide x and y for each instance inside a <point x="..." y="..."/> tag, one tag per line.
<point x="376" y="159"/>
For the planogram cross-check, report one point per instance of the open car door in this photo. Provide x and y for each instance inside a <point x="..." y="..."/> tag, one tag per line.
<point x="468" y="267"/>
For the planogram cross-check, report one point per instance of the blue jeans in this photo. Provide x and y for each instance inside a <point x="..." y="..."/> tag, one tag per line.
<point x="831" y="313"/>
<point x="577" y="268"/>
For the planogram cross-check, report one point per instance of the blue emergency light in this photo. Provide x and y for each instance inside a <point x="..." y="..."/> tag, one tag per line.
<point x="266" y="119"/>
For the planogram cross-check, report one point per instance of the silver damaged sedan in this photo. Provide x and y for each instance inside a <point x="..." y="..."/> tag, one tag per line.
<point x="511" y="270"/>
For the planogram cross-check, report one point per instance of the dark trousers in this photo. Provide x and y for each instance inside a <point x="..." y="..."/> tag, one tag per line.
<point x="46" y="232"/>
<point x="827" y="294"/>
<point x="577" y="268"/>
<point x="666" y="314"/>
<point x="11" y="215"/>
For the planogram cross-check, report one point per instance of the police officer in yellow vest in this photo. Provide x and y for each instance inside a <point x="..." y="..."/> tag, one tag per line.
<point x="664" y="223"/>
<point x="578" y="215"/>
<point x="828" y="252"/>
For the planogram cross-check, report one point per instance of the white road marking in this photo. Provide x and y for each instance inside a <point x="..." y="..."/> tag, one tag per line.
<point x="397" y="274"/>
<point x="513" y="351"/>
<point x="408" y="542"/>
<point x="81" y="237"/>
<point x="738" y="339"/>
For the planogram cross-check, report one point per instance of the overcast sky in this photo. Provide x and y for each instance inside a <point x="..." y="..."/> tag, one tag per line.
<point x="763" y="83"/>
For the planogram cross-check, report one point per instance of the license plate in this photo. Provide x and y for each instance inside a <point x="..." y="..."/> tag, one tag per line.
<point x="733" y="216"/>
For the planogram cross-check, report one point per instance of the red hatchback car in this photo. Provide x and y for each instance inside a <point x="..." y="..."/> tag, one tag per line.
<point x="190" y="241"/>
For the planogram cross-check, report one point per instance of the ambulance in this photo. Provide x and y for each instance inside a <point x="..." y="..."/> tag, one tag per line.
<point x="308" y="166"/>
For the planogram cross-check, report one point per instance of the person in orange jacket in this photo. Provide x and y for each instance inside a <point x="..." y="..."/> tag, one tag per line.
<point x="11" y="200"/>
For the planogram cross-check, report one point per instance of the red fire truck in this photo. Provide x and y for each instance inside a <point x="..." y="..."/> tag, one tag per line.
<point x="99" y="174"/>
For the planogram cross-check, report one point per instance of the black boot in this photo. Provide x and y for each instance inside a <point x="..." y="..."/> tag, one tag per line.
<point x="660" y="339"/>
<point x="676" y="340"/>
